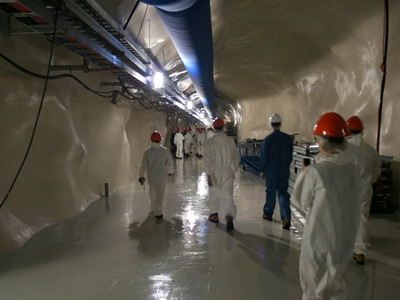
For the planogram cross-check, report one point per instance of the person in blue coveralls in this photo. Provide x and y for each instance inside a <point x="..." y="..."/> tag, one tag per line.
<point x="275" y="158"/>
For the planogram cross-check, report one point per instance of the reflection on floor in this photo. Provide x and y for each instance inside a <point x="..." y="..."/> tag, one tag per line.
<point x="117" y="250"/>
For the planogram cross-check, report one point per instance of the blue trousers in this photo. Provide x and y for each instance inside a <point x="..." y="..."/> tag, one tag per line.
<point x="281" y="185"/>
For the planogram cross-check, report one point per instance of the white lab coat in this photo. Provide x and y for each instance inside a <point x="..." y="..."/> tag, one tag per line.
<point x="188" y="139"/>
<point x="221" y="162"/>
<point x="369" y="164"/>
<point x="157" y="162"/>
<point x="178" y="141"/>
<point x="329" y="192"/>
<point x="201" y="140"/>
<point x="194" y="141"/>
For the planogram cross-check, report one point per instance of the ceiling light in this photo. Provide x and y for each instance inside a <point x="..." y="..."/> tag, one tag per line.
<point x="158" y="80"/>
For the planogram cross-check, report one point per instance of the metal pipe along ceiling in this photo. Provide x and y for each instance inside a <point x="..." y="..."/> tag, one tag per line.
<point x="189" y="25"/>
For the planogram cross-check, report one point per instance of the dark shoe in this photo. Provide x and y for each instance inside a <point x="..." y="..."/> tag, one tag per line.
<point x="159" y="217"/>
<point x="229" y="223"/>
<point x="213" y="218"/>
<point x="286" y="224"/>
<point x="359" y="258"/>
<point x="266" y="218"/>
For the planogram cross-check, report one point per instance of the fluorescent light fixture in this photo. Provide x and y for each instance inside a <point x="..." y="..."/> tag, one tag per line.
<point x="190" y="104"/>
<point x="158" y="80"/>
<point x="201" y="115"/>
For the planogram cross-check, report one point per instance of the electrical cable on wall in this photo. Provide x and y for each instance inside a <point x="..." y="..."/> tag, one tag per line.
<point x="141" y="25"/>
<point x="40" y="106"/>
<point x="54" y="77"/>
<point x="131" y="14"/>
<point x="133" y="97"/>
<point x="383" y="69"/>
<point x="130" y="96"/>
<point x="383" y="82"/>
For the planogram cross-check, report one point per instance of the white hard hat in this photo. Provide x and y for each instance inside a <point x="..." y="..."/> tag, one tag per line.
<point x="275" y="118"/>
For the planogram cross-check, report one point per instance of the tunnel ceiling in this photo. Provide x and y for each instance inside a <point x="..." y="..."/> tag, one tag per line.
<point x="89" y="30"/>
<point x="271" y="42"/>
<point x="260" y="47"/>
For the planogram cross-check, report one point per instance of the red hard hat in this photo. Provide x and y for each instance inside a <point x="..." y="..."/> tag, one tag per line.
<point x="355" y="123"/>
<point x="331" y="125"/>
<point x="156" y="136"/>
<point x="218" y="122"/>
<point x="178" y="129"/>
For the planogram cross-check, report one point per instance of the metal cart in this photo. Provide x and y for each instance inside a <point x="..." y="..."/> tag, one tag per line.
<point x="306" y="150"/>
<point x="249" y="152"/>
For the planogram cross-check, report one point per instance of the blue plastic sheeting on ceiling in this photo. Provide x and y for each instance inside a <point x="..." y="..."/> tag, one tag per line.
<point x="188" y="23"/>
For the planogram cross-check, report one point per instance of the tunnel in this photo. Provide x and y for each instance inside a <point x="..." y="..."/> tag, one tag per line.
<point x="80" y="102"/>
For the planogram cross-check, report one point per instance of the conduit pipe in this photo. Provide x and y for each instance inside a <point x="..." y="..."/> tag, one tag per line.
<point x="189" y="25"/>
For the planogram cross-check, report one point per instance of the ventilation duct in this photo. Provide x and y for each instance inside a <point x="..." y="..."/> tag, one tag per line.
<point x="189" y="25"/>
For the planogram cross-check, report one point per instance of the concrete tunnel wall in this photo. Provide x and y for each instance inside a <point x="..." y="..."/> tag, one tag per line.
<point x="83" y="141"/>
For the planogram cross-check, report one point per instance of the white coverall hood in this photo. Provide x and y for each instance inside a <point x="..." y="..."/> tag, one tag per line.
<point x="356" y="140"/>
<point x="340" y="159"/>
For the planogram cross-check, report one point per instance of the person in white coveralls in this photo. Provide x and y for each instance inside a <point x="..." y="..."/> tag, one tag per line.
<point x="187" y="144"/>
<point x="157" y="162"/>
<point x="221" y="162"/>
<point x="329" y="193"/>
<point x="369" y="163"/>
<point x="178" y="141"/>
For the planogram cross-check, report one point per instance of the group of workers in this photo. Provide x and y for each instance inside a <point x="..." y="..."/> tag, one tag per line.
<point x="190" y="141"/>
<point x="335" y="192"/>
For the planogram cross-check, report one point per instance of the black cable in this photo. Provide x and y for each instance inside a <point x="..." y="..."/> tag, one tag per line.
<point x="131" y="14"/>
<point x="383" y="82"/>
<point x="40" y="106"/>
<point x="383" y="68"/>
<point x="133" y="97"/>
<point x="131" y="102"/>
<point x="54" y="77"/>
<point x="141" y="25"/>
